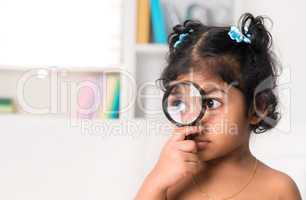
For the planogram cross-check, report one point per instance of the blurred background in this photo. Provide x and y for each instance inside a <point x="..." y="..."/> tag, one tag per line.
<point x="80" y="111"/>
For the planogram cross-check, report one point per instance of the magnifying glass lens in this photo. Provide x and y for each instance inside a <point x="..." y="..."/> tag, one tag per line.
<point x="184" y="103"/>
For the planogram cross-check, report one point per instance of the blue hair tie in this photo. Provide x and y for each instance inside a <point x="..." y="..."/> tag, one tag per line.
<point x="182" y="37"/>
<point x="237" y="36"/>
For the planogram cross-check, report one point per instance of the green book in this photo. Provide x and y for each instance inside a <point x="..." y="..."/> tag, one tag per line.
<point x="6" y="105"/>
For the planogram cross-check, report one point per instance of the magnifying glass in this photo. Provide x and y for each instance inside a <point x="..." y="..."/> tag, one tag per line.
<point x="184" y="104"/>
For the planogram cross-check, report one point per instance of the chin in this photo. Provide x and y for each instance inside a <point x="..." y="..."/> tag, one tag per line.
<point x="207" y="155"/>
<point x="211" y="154"/>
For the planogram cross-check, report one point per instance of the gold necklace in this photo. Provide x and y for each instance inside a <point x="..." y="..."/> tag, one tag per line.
<point x="236" y="193"/>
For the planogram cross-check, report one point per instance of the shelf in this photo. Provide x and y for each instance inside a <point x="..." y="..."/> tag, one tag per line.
<point x="151" y="48"/>
<point x="69" y="69"/>
<point x="20" y="115"/>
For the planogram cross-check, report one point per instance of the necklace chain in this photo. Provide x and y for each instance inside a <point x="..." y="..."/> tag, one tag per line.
<point x="236" y="193"/>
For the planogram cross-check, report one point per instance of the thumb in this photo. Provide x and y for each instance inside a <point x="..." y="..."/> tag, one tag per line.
<point x="180" y="133"/>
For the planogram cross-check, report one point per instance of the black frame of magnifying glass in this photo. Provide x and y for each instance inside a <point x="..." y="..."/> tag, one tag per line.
<point x="165" y="104"/>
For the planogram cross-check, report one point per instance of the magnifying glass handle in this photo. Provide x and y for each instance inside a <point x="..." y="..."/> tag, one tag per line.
<point x="192" y="136"/>
<point x="189" y="137"/>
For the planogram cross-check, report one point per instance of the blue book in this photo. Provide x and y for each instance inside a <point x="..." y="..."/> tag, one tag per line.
<point x="158" y="22"/>
<point x="116" y="102"/>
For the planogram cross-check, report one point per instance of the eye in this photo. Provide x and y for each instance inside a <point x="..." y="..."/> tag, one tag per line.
<point x="178" y="105"/>
<point x="213" y="104"/>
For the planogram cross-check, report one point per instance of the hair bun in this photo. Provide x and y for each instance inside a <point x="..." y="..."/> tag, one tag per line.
<point x="260" y="37"/>
<point x="187" y="27"/>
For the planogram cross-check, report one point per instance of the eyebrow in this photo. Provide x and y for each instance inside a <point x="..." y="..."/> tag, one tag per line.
<point x="212" y="90"/>
<point x="207" y="91"/>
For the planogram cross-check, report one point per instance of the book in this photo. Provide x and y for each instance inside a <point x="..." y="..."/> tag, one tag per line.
<point x="143" y="21"/>
<point x="158" y="22"/>
<point x="116" y="100"/>
<point x="6" y="105"/>
<point x="99" y="97"/>
<point x="111" y="101"/>
<point x="88" y="98"/>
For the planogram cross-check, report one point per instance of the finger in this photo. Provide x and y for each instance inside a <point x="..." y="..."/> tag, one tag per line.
<point x="191" y="157"/>
<point x="188" y="129"/>
<point x="193" y="168"/>
<point x="177" y="136"/>
<point x="187" y="146"/>
<point x="180" y="133"/>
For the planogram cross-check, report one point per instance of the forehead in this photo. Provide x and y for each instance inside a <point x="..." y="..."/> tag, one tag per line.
<point x="204" y="80"/>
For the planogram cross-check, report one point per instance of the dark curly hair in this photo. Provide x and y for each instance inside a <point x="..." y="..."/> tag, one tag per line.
<point x="253" y="66"/>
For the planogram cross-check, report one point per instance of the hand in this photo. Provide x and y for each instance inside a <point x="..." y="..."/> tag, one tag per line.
<point x="178" y="158"/>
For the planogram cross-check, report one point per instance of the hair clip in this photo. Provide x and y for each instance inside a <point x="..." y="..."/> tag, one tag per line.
<point x="182" y="37"/>
<point x="237" y="36"/>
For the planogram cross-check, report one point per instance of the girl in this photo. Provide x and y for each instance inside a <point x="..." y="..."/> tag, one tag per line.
<point x="237" y="69"/>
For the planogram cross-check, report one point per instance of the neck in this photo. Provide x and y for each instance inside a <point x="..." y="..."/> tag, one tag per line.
<point x="240" y="158"/>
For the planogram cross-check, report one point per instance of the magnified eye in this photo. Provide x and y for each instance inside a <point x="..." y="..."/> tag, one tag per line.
<point x="178" y="105"/>
<point x="183" y="103"/>
<point x="213" y="104"/>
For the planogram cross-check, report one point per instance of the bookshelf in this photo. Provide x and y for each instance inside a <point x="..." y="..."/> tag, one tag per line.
<point x="90" y="58"/>
<point x="141" y="64"/>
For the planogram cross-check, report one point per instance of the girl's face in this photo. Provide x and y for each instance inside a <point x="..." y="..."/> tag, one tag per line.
<point x="225" y="123"/>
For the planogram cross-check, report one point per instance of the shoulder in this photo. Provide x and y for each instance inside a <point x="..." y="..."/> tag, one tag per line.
<point x="280" y="183"/>
<point x="286" y="186"/>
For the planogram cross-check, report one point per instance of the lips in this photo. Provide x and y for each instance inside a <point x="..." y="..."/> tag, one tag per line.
<point x="201" y="143"/>
<point x="201" y="140"/>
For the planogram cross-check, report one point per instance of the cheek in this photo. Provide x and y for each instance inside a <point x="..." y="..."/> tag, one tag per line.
<point x="226" y="143"/>
<point x="221" y="145"/>
<point x="226" y="121"/>
<point x="228" y="128"/>
<point x="234" y="113"/>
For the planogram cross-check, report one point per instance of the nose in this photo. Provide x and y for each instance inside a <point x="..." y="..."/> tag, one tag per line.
<point x="202" y="124"/>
